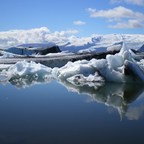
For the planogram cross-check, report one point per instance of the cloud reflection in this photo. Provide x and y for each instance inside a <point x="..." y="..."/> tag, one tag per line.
<point x="135" y="113"/>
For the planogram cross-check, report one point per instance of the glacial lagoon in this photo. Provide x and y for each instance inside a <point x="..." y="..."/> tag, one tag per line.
<point x="54" y="112"/>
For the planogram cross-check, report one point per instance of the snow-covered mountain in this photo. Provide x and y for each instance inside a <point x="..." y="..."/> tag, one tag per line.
<point x="67" y="41"/>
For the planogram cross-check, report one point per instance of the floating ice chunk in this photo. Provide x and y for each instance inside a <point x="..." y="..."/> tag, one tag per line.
<point x="141" y="63"/>
<point x="4" y="66"/>
<point x="73" y="68"/>
<point x="115" y="61"/>
<point x="135" y="69"/>
<point x="98" y="64"/>
<point x="23" y="74"/>
<point x="25" y="68"/>
<point x="81" y="79"/>
<point x="3" y="77"/>
<point x="110" y="68"/>
<point x="112" y="75"/>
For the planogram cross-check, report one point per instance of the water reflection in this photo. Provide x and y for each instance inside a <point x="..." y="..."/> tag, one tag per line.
<point x="30" y="80"/>
<point x="118" y="96"/>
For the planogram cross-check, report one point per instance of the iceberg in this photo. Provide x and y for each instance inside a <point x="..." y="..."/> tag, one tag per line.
<point x="124" y="66"/>
<point x="115" y="68"/>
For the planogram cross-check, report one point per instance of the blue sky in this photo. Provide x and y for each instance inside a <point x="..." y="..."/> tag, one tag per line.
<point x="85" y="16"/>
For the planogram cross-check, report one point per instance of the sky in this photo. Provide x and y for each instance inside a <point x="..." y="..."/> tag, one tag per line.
<point x="82" y="17"/>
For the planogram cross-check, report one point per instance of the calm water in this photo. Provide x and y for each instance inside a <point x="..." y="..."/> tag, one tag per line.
<point x="62" y="113"/>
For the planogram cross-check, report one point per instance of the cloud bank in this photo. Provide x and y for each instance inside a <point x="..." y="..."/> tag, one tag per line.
<point x="79" y="22"/>
<point x="134" y="2"/>
<point x="121" y="16"/>
<point x="37" y="35"/>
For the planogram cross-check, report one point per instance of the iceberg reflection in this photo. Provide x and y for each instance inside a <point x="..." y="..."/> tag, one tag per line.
<point x="115" y="95"/>
<point x="30" y="80"/>
<point x="118" y="96"/>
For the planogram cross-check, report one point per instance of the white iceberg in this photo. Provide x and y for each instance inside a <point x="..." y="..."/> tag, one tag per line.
<point x="113" y="68"/>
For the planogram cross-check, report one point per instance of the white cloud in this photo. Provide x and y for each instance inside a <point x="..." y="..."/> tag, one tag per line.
<point x="79" y="22"/>
<point x="118" y="12"/>
<point x="134" y="113"/>
<point x="135" y="2"/>
<point x="128" y="24"/>
<point x="116" y="1"/>
<point x="65" y="33"/>
<point x="121" y="15"/>
<point x="37" y="35"/>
